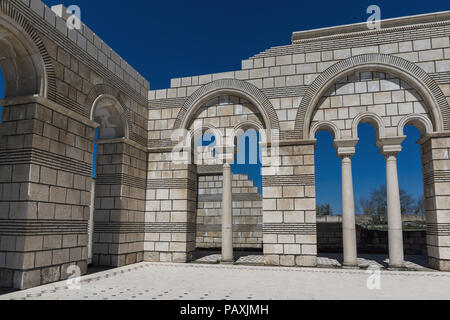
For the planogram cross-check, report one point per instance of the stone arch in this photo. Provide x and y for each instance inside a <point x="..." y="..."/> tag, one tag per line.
<point x="422" y="123"/>
<point x="325" y="125"/>
<point x="408" y="71"/>
<point x="227" y="87"/>
<point x="26" y="64"/>
<point x="372" y="118"/>
<point x="101" y="91"/>
<point x="249" y="125"/>
<point x="200" y="130"/>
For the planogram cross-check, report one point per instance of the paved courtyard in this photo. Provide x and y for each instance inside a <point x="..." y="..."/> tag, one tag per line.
<point x="161" y="281"/>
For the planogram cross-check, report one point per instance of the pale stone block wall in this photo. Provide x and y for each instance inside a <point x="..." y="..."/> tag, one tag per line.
<point x="247" y="214"/>
<point x="120" y="192"/>
<point x="435" y="159"/>
<point x="382" y="94"/>
<point x="45" y="184"/>
<point x="146" y="204"/>
<point x="289" y="208"/>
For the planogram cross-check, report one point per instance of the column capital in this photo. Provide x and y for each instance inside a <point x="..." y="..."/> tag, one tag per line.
<point x="227" y="158"/>
<point x="345" y="148"/>
<point x="390" y="146"/>
<point x="226" y="165"/>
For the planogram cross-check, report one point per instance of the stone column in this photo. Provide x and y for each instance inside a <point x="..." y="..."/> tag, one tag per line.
<point x="346" y="150"/>
<point x="227" y="216"/>
<point x="390" y="148"/>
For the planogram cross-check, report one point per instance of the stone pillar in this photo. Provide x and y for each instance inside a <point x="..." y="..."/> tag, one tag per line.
<point x="390" y="147"/>
<point x="119" y="219"/>
<point x="227" y="215"/>
<point x="91" y="223"/>
<point x="171" y="208"/>
<point x="436" y="178"/>
<point x="346" y="150"/>
<point x="289" y="205"/>
<point x="45" y="172"/>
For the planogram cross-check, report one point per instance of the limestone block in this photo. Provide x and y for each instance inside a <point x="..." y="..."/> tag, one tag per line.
<point x="26" y="279"/>
<point x="271" y="260"/>
<point x="294" y="217"/>
<point x="306" y="261"/>
<point x="442" y="42"/>
<point x="270" y="249"/>
<point x="287" y="261"/>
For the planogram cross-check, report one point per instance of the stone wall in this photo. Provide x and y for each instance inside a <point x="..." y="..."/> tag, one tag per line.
<point x="435" y="159"/>
<point x="46" y="144"/>
<point x="247" y="213"/>
<point x="146" y="204"/>
<point x="290" y="208"/>
<point x="45" y="182"/>
<point x="120" y="194"/>
<point x="379" y="93"/>
<point x="329" y="240"/>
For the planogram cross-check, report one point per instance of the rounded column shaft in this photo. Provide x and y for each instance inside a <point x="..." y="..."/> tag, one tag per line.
<point x="396" y="255"/>
<point x="227" y="216"/>
<point x="348" y="213"/>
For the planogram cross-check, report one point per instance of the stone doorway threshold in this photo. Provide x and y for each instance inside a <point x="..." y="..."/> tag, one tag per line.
<point x="328" y="260"/>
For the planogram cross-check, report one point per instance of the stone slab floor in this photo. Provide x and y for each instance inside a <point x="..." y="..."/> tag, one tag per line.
<point x="163" y="281"/>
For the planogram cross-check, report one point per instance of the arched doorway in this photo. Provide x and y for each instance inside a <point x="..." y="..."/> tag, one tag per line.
<point x="387" y="102"/>
<point x="218" y="134"/>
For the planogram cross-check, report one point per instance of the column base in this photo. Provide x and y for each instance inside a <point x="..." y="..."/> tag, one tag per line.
<point x="350" y="266"/>
<point x="396" y="267"/>
<point x="228" y="262"/>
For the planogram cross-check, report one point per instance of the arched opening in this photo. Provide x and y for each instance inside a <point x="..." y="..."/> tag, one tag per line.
<point x="21" y="62"/>
<point x="370" y="112"/>
<point x="227" y="125"/>
<point x="328" y="196"/>
<point x="248" y="157"/>
<point x="370" y="66"/>
<point x="106" y="112"/>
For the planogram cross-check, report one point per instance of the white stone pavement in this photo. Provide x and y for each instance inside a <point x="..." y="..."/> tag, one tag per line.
<point x="161" y="281"/>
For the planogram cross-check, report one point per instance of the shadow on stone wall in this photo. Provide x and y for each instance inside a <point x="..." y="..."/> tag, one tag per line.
<point x="329" y="238"/>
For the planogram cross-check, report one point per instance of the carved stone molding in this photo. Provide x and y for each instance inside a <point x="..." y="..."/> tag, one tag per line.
<point x="228" y="86"/>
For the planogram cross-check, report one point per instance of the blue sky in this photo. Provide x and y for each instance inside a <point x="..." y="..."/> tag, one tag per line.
<point x="171" y="39"/>
<point x="369" y="169"/>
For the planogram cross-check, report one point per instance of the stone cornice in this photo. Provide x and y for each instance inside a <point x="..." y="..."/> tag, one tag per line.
<point x="123" y="140"/>
<point x="360" y="29"/>
<point x="444" y="134"/>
